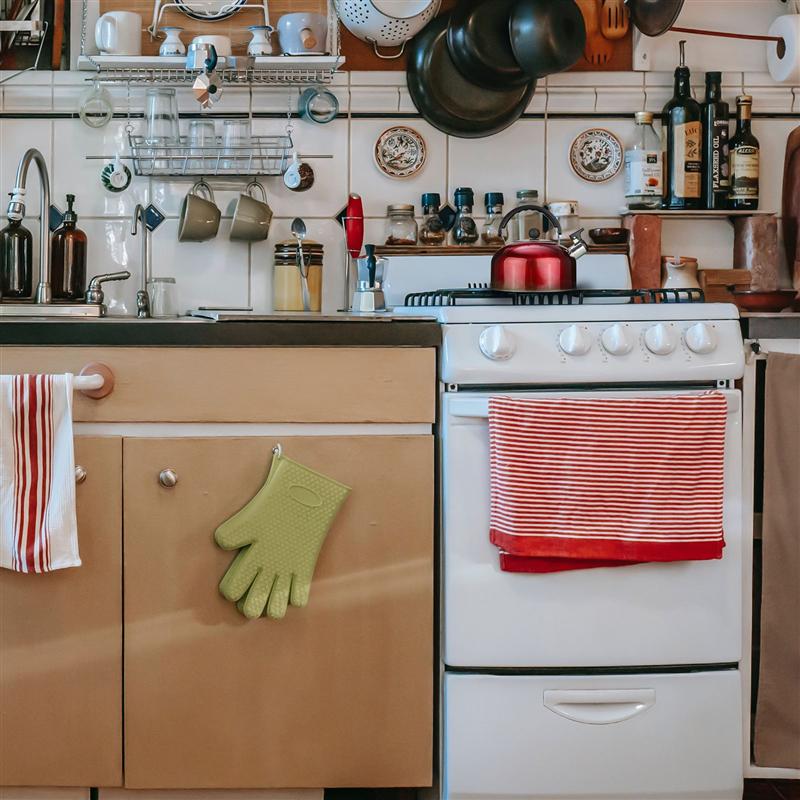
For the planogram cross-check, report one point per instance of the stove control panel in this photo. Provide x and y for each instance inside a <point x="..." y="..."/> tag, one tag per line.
<point x="633" y="351"/>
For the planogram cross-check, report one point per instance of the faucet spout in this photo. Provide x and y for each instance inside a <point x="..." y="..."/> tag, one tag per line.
<point x="16" y="211"/>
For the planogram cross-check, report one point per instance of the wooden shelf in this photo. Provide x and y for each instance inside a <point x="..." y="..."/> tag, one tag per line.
<point x="698" y="215"/>
<point x="473" y="250"/>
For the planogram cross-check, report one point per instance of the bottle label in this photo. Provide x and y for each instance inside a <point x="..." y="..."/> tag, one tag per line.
<point x="687" y="162"/>
<point x="643" y="174"/>
<point x="744" y="172"/>
<point x="720" y="171"/>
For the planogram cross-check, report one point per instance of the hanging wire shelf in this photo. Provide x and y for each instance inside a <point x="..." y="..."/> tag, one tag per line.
<point x="261" y="156"/>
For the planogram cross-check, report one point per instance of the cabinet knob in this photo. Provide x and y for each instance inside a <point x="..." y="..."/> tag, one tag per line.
<point x="168" y="478"/>
<point x="80" y="474"/>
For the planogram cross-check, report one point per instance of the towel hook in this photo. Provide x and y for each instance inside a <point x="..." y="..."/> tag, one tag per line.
<point x="96" y="368"/>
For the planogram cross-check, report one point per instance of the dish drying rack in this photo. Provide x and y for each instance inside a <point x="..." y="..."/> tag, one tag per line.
<point x="261" y="156"/>
<point x="280" y="70"/>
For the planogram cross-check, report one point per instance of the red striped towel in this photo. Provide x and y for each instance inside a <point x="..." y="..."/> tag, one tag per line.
<point x="37" y="474"/>
<point x="579" y="483"/>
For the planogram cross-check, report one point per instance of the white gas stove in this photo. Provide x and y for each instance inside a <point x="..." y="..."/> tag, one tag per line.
<point x="593" y="683"/>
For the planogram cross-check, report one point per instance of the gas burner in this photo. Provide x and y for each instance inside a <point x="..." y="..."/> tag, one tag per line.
<point x="454" y="297"/>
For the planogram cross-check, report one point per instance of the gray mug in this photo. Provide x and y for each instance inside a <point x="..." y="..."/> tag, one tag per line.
<point x="199" y="215"/>
<point x="251" y="217"/>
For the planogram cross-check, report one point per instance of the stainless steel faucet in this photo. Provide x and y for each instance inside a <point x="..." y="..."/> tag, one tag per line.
<point x="16" y="211"/>
<point x="142" y="297"/>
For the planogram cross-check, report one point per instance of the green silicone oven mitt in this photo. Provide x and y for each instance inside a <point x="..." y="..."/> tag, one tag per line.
<point x="281" y="531"/>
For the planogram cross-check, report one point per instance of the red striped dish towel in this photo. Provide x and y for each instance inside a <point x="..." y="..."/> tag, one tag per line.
<point x="37" y="474"/>
<point x="580" y="483"/>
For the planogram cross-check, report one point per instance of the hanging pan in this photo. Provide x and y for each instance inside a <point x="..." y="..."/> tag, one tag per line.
<point x="479" y="42"/>
<point x="447" y="100"/>
<point x="654" y="17"/>
<point x="546" y="36"/>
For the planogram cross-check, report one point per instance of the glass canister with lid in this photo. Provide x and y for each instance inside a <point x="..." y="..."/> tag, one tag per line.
<point x="401" y="227"/>
<point x="296" y="281"/>
<point x="527" y="224"/>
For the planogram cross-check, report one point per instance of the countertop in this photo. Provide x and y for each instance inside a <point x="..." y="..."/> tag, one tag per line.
<point x="341" y="330"/>
<point x="771" y="326"/>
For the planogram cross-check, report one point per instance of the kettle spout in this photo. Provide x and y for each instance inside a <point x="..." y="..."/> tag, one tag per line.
<point x="577" y="246"/>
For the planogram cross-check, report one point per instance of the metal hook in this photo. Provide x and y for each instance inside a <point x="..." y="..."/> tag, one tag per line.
<point x="277" y="451"/>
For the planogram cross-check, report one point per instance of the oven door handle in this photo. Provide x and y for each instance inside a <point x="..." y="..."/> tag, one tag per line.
<point x="599" y="706"/>
<point x="478" y="407"/>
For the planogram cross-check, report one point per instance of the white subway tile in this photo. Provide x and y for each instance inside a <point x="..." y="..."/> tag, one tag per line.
<point x="595" y="79"/>
<point x="656" y="97"/>
<point x="506" y="162"/>
<point x="538" y="103"/>
<point x="570" y="100"/>
<point x="618" y="100"/>
<point x="375" y="99"/>
<point x="378" y="78"/>
<point x="31" y="92"/>
<point x="771" y="100"/>
<point x="111" y="248"/>
<point x="16" y="136"/>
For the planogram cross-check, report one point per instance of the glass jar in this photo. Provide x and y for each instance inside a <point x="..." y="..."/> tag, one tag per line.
<point x="566" y="212"/>
<point x="465" y="231"/>
<point x="490" y="233"/>
<point x="163" y="294"/>
<point x="527" y="224"/>
<point x="643" y="167"/>
<point x="431" y="232"/>
<point x="293" y="288"/>
<point x="401" y="227"/>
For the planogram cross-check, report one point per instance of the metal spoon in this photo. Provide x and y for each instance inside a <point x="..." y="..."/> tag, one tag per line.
<point x="299" y="233"/>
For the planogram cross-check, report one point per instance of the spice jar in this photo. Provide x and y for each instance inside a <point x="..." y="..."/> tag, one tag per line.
<point x="287" y="282"/>
<point x="527" y="224"/>
<point x="432" y="232"/>
<point x="465" y="231"/>
<point x="490" y="234"/>
<point x="401" y="227"/>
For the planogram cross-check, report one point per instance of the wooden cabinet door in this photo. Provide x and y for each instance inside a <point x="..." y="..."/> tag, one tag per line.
<point x="339" y="693"/>
<point x="61" y="647"/>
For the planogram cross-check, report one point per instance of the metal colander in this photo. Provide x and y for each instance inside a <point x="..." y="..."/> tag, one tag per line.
<point x="386" y="23"/>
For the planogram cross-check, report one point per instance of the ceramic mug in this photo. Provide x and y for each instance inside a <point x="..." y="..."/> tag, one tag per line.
<point x="199" y="215"/>
<point x="302" y="33"/>
<point x="251" y="217"/>
<point x="222" y="44"/>
<point x="119" y="33"/>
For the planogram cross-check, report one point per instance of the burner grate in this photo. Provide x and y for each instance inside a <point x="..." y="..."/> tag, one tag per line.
<point x="569" y="297"/>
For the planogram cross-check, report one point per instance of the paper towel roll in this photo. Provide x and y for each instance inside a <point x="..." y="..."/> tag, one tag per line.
<point x="785" y="68"/>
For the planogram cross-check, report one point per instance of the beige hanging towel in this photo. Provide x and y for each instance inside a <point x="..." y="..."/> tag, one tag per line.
<point x="777" y="733"/>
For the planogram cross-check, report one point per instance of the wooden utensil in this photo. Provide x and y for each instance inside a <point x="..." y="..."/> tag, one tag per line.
<point x="614" y="21"/>
<point x="790" y="205"/>
<point x="58" y="33"/>
<point x="598" y="50"/>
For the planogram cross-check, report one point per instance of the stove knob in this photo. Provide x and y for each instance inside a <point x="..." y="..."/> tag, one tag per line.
<point x="617" y="340"/>
<point x="497" y="343"/>
<point x="575" y="341"/>
<point x="660" y="340"/>
<point x="700" y="339"/>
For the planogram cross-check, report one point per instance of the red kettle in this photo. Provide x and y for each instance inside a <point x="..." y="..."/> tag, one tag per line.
<point x="536" y="266"/>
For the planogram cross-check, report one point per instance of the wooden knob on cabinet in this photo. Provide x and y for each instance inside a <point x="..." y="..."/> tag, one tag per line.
<point x="168" y="478"/>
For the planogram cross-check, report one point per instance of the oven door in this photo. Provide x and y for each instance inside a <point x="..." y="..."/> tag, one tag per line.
<point x="680" y="613"/>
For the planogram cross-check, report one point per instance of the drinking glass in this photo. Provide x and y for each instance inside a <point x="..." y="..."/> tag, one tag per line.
<point x="236" y="141"/>
<point x="202" y="141"/>
<point x="161" y="115"/>
<point x="163" y="297"/>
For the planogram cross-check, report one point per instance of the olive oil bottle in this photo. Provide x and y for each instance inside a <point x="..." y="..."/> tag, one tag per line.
<point x="682" y="135"/>
<point x="745" y="159"/>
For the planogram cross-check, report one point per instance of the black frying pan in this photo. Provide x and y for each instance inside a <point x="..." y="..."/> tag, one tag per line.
<point x="479" y="42"/>
<point x="447" y="100"/>
<point x="547" y="36"/>
<point x="654" y="17"/>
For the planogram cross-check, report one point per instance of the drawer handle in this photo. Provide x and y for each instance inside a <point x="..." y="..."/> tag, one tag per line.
<point x="168" y="478"/>
<point x="599" y="706"/>
<point x="80" y="474"/>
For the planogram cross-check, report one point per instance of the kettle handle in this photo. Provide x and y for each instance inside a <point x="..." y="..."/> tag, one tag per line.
<point x="543" y="211"/>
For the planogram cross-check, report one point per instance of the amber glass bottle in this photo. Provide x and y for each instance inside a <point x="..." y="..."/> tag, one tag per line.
<point x="68" y="257"/>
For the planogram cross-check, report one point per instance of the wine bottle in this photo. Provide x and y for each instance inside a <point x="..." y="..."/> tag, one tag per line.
<point x="745" y="159"/>
<point x="682" y="143"/>
<point x="716" y="169"/>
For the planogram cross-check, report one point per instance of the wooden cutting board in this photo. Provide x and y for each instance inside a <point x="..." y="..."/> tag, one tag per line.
<point x="790" y="207"/>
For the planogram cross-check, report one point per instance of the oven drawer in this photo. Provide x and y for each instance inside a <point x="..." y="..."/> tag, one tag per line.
<point x="665" y="736"/>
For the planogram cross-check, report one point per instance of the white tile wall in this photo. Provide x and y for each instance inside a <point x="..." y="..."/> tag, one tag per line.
<point x="530" y="154"/>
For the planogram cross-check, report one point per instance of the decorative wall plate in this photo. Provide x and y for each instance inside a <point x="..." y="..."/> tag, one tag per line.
<point x="400" y="152"/>
<point x="596" y="155"/>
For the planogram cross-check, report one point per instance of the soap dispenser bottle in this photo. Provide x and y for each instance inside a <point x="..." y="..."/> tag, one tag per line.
<point x="16" y="261"/>
<point x="68" y="257"/>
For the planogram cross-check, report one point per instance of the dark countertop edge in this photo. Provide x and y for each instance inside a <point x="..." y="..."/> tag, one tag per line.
<point x="336" y="333"/>
<point x="771" y="326"/>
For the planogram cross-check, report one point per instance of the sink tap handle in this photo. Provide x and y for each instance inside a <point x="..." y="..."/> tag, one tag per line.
<point x="94" y="294"/>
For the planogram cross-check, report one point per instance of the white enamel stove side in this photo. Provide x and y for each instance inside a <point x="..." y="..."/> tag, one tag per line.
<point x="562" y="353"/>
